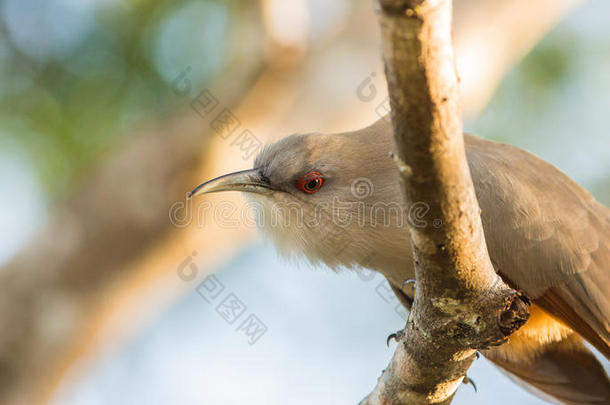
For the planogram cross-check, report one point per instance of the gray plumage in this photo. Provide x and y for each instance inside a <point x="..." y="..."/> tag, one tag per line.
<point x="546" y="236"/>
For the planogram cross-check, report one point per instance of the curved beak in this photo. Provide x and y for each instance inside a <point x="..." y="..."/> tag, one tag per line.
<point x="251" y="181"/>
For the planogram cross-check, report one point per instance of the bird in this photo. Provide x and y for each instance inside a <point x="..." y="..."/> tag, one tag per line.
<point x="335" y="200"/>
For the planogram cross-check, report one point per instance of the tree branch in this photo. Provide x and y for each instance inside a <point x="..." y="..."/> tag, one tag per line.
<point x="461" y="304"/>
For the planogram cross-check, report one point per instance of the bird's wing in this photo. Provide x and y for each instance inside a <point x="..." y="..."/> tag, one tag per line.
<point x="546" y="235"/>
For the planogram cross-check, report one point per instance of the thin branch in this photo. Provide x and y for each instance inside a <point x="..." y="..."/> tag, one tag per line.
<point x="461" y="304"/>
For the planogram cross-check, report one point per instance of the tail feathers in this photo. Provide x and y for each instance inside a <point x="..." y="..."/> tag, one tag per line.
<point x="567" y="372"/>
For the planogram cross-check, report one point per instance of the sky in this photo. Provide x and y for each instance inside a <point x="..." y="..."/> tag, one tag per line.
<point x="325" y="343"/>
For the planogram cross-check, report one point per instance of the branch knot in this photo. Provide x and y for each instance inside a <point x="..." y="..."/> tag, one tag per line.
<point x="515" y="313"/>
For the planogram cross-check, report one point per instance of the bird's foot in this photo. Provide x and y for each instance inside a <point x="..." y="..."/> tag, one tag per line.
<point x="468" y="380"/>
<point x="395" y="336"/>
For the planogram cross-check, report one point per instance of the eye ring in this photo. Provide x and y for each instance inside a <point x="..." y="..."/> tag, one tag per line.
<point x="310" y="183"/>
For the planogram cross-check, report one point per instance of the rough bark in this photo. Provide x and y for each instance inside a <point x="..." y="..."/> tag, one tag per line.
<point x="461" y="305"/>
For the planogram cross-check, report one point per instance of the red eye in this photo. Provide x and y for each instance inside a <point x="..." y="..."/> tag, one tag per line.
<point x="310" y="183"/>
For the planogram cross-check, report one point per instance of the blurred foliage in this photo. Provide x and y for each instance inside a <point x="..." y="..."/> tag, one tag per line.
<point x="76" y="75"/>
<point x="527" y="87"/>
<point x="549" y="63"/>
<point x="555" y="101"/>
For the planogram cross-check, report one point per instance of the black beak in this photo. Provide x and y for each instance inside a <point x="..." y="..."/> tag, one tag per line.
<point x="250" y="181"/>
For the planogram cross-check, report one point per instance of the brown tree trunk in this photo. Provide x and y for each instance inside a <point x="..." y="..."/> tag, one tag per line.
<point x="461" y="304"/>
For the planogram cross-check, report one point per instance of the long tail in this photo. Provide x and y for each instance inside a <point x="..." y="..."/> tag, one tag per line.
<point x="566" y="371"/>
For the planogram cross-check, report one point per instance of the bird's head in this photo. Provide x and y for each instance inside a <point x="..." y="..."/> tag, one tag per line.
<point x="326" y="197"/>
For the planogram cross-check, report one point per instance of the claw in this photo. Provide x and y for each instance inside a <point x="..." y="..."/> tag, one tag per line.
<point x="467" y="380"/>
<point x="477" y="354"/>
<point x="394" y="336"/>
<point x="409" y="281"/>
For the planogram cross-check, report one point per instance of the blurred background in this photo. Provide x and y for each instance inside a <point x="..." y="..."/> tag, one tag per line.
<point x="110" y="111"/>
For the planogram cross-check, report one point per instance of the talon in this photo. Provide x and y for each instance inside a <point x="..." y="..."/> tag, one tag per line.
<point x="467" y="380"/>
<point x="394" y="336"/>
<point x="409" y="281"/>
<point x="477" y="354"/>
